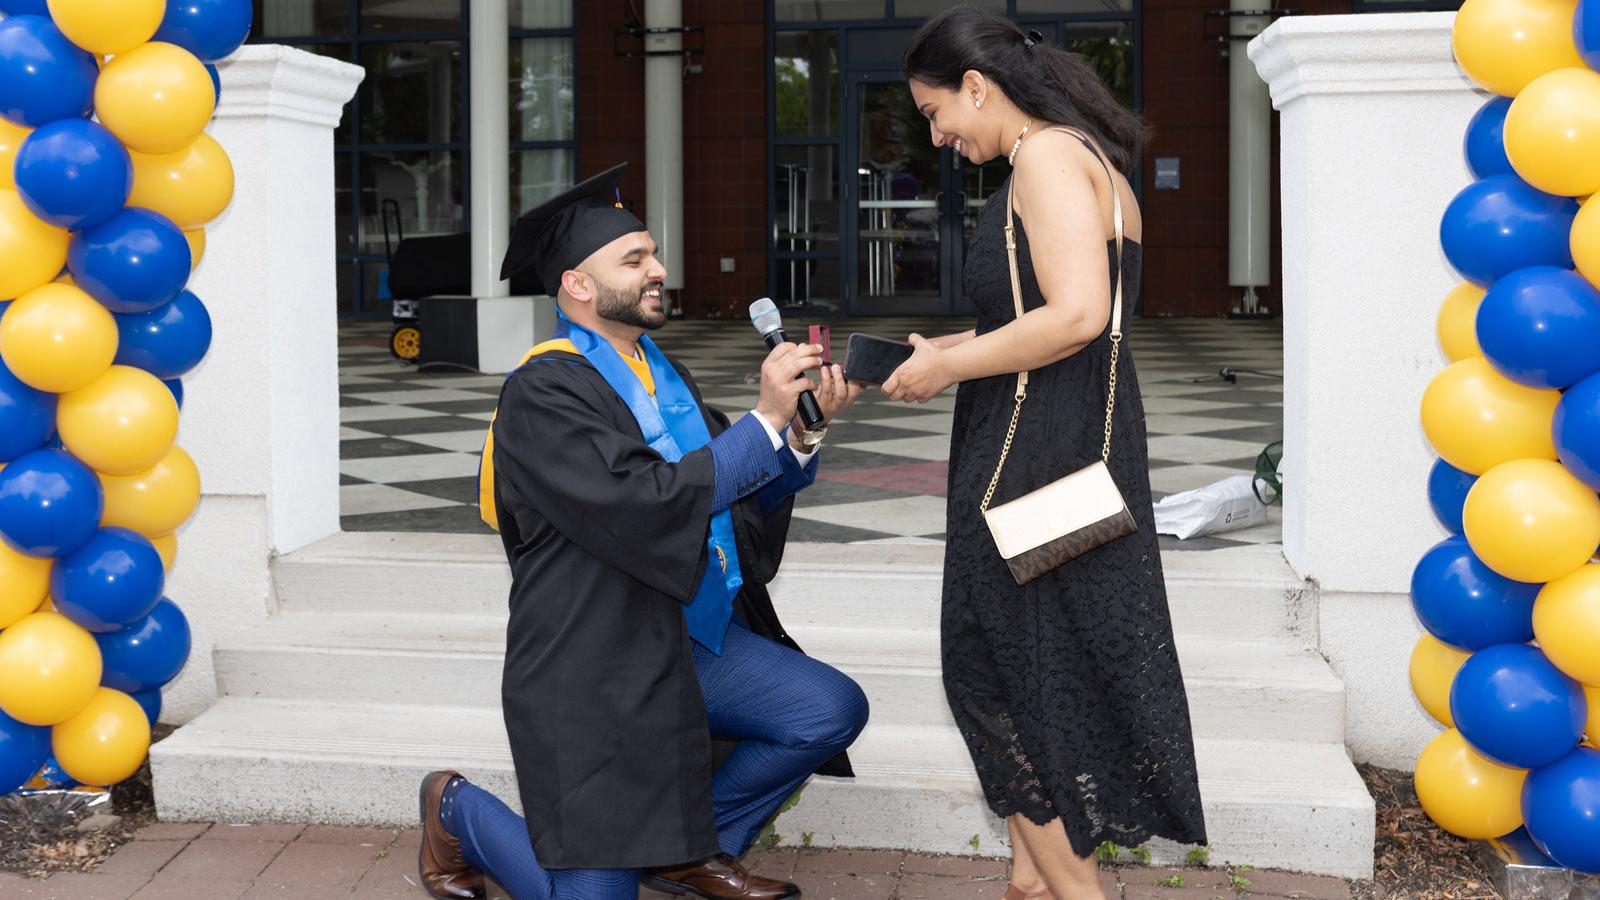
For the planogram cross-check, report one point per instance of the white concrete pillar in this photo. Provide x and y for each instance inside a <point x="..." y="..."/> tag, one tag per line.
<point x="1373" y="109"/>
<point x="489" y="44"/>
<point x="261" y="413"/>
<point x="663" y="136"/>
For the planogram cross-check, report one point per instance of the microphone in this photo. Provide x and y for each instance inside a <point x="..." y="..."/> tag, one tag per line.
<point x="765" y="316"/>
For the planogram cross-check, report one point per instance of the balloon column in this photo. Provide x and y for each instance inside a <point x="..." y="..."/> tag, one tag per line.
<point x="1510" y="663"/>
<point x="107" y="181"/>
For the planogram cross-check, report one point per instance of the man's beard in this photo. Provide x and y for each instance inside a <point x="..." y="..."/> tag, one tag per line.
<point x="627" y="307"/>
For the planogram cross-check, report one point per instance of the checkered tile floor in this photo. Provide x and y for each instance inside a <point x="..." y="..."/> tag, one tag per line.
<point x="410" y="440"/>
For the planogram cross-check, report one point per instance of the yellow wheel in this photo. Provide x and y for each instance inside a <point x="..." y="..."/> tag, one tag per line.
<point x="406" y="343"/>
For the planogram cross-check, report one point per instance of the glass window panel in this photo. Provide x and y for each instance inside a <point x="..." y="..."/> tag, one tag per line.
<point x="412" y="93"/>
<point x="922" y="9"/>
<point x="541" y="89"/>
<point x="806" y="75"/>
<point x="806" y="206"/>
<point x="827" y="10"/>
<point x="538" y="175"/>
<point x="1108" y="46"/>
<point x="1027" y="7"/>
<point x="878" y="48"/>
<point x="897" y="186"/>
<point x="344" y="223"/>
<point x="425" y="186"/>
<point x="304" y="18"/>
<point x="531" y="14"/>
<point x="811" y="284"/>
<point x="345" y="286"/>
<point x="410" y="15"/>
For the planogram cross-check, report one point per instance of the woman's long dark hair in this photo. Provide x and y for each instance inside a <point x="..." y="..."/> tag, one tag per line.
<point x="1048" y="84"/>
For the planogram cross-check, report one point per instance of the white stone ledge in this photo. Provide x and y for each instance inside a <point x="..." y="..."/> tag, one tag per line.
<point x="1384" y="53"/>
<point x="286" y="83"/>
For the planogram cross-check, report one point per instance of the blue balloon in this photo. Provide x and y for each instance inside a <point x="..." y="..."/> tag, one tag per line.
<point x="167" y="341"/>
<point x="175" y="385"/>
<point x="110" y="582"/>
<point x="50" y="503"/>
<point x="25" y="7"/>
<point x="73" y="173"/>
<point x="1501" y="224"/>
<point x="150" y="702"/>
<point x="216" y="82"/>
<point x="23" y="749"/>
<point x="1586" y="31"/>
<point x="1540" y="327"/>
<point x="1576" y="430"/>
<point x="1466" y="604"/>
<point x="1485" y="144"/>
<point x="1447" y="493"/>
<point x="43" y="76"/>
<point x="1561" y="804"/>
<point x="1515" y="707"/>
<point x="210" y="29"/>
<point x="27" y="416"/>
<point x="147" y="654"/>
<point x="133" y="262"/>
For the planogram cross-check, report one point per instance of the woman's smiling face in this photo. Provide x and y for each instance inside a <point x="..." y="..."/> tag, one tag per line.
<point x="953" y="120"/>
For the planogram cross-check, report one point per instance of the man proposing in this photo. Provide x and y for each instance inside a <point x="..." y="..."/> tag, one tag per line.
<point x="641" y="528"/>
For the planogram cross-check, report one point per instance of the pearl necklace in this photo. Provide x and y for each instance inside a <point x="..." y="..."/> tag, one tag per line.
<point x="1017" y="145"/>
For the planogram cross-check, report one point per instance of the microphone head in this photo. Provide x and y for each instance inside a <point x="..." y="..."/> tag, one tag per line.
<point x="765" y="316"/>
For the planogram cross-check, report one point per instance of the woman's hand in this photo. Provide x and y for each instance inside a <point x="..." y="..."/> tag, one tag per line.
<point x="922" y="377"/>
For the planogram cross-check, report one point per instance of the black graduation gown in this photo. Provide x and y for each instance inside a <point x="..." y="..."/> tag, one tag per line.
<point x="607" y="542"/>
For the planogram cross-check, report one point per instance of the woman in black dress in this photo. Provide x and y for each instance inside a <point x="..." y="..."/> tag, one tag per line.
<point x="1066" y="689"/>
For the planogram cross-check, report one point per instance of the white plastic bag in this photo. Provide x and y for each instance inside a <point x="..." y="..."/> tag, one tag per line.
<point x="1227" y="505"/>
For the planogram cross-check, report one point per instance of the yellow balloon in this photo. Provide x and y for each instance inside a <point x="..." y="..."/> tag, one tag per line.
<point x="155" y="501"/>
<point x="1466" y="794"/>
<point x="105" y="27"/>
<point x="1504" y="44"/>
<point x="191" y="186"/>
<point x="1433" y="669"/>
<point x="1566" y="621"/>
<point x="197" y="246"/>
<point x="1458" y="321"/>
<point x="1531" y="520"/>
<point x="31" y="252"/>
<point x="11" y="137"/>
<point x="57" y="338"/>
<point x="1585" y="240"/>
<point x="1552" y="132"/>
<point x="167" y="546"/>
<point x="106" y="742"/>
<point x="125" y="422"/>
<point x="1477" y="418"/>
<point x="24" y="581"/>
<point x="156" y="98"/>
<point x="49" y="668"/>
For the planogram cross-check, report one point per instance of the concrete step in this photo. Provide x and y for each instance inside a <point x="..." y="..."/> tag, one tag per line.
<point x="1243" y="593"/>
<point x="1235" y="687"/>
<point x="1279" y="804"/>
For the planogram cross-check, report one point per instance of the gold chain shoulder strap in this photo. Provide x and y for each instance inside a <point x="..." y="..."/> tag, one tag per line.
<point x="1016" y="298"/>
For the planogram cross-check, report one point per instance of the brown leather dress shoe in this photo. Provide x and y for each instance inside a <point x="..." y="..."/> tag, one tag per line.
<point x="720" y="877"/>
<point x="445" y="872"/>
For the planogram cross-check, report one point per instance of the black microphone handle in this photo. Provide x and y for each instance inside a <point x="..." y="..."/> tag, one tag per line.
<point x="810" y="412"/>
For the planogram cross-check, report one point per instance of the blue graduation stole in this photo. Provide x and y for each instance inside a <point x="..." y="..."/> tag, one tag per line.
<point x="673" y="425"/>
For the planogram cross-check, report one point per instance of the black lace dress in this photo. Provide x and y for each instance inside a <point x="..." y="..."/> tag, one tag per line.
<point x="1067" y="689"/>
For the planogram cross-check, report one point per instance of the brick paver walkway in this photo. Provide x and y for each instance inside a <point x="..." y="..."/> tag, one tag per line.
<point x="255" y="862"/>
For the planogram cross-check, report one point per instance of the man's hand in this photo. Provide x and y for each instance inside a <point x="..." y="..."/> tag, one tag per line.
<point x="834" y="396"/>
<point x="782" y="381"/>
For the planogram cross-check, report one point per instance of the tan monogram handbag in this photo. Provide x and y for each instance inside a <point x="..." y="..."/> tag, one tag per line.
<point x="1072" y="515"/>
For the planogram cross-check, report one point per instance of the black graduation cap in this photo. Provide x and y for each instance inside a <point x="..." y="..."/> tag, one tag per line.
<point x="561" y="232"/>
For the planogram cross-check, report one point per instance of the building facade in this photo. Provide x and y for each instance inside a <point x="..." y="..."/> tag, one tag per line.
<point x="807" y="176"/>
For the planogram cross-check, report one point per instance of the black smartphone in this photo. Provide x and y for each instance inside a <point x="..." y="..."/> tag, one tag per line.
<point x="872" y="359"/>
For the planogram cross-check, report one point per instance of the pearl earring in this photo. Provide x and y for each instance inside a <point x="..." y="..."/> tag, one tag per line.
<point x="979" y="104"/>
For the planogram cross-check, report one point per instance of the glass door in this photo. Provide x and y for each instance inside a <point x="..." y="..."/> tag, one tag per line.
<point x="901" y="210"/>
